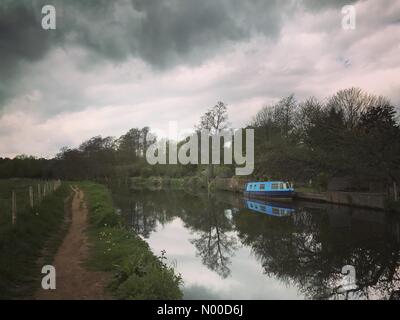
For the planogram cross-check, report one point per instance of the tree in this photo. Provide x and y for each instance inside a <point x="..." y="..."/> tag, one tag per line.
<point x="214" y="120"/>
<point x="129" y="146"/>
<point x="378" y="143"/>
<point x="352" y="102"/>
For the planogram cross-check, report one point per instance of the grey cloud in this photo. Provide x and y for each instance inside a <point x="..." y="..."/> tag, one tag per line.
<point x="162" y="33"/>
<point x="316" y="5"/>
<point x="170" y="32"/>
<point x="20" y="41"/>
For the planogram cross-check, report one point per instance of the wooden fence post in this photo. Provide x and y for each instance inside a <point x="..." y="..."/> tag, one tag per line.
<point x="39" y="193"/>
<point x="14" y="207"/>
<point x="31" y="196"/>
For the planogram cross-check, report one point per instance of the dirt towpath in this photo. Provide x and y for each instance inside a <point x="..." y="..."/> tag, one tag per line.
<point x="73" y="280"/>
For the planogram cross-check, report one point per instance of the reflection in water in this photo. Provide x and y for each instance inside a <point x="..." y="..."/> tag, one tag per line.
<point x="225" y="249"/>
<point x="272" y="209"/>
<point x="214" y="240"/>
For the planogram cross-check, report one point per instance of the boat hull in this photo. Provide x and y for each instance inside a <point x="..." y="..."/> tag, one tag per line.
<point x="273" y="195"/>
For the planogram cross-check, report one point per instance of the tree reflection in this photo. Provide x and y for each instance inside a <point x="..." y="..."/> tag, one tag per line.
<point x="215" y="241"/>
<point x="142" y="211"/>
<point x="309" y="250"/>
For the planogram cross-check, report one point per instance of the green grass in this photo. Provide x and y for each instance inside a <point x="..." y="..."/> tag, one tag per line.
<point x="23" y="243"/>
<point x="137" y="273"/>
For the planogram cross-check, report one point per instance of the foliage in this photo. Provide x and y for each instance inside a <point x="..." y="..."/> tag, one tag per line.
<point x="138" y="273"/>
<point x="353" y="134"/>
<point x="22" y="244"/>
<point x="350" y="134"/>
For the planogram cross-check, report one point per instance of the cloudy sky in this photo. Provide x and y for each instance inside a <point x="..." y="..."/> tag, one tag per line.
<point x="113" y="65"/>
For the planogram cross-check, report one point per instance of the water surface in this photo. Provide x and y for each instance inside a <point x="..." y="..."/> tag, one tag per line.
<point x="228" y="248"/>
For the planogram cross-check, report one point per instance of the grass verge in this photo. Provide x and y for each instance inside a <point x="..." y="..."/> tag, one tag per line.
<point x="22" y="244"/>
<point x="137" y="273"/>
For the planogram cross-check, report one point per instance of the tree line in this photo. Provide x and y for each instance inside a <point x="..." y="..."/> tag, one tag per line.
<point x="350" y="134"/>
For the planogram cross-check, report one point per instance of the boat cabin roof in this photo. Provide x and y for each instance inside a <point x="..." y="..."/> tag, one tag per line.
<point x="266" y="182"/>
<point x="268" y="185"/>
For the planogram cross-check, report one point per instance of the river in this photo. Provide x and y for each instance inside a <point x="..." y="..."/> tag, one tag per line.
<point x="226" y="247"/>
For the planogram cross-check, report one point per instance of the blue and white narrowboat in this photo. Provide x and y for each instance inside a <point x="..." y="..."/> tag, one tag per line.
<point x="271" y="209"/>
<point x="269" y="189"/>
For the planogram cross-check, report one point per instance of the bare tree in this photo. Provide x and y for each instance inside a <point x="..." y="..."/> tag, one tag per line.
<point x="353" y="102"/>
<point x="214" y="120"/>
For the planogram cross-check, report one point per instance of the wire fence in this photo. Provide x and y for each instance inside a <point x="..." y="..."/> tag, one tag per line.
<point x="22" y="195"/>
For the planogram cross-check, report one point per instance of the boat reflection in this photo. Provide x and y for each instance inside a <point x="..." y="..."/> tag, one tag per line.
<point x="269" y="208"/>
<point x="299" y="247"/>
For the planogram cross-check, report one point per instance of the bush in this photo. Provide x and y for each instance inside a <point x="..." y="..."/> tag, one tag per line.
<point x="321" y="182"/>
<point x="195" y="183"/>
<point x="22" y="244"/>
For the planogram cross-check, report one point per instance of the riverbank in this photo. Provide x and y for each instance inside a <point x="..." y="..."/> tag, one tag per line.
<point x="137" y="272"/>
<point x="36" y="233"/>
<point x="356" y="199"/>
<point x="377" y="201"/>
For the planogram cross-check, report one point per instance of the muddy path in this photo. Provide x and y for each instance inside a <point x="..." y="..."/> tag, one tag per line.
<point x="73" y="279"/>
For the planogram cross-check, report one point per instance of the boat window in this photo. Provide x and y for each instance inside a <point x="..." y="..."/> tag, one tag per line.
<point x="262" y="186"/>
<point x="275" y="186"/>
<point x="281" y="186"/>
